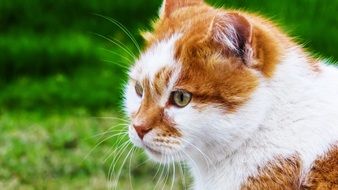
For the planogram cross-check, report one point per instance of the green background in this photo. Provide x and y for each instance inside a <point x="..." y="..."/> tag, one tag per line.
<point x="61" y="84"/>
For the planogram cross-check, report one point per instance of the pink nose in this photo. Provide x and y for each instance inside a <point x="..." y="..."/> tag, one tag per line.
<point x="142" y="130"/>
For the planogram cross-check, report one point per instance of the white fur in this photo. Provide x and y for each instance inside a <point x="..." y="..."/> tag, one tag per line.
<point x="294" y="112"/>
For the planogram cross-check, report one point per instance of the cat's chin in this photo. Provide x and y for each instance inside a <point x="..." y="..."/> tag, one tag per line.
<point x="154" y="155"/>
<point x="161" y="157"/>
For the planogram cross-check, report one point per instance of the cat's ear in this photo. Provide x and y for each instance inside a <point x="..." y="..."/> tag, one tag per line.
<point x="234" y="32"/>
<point x="169" y="6"/>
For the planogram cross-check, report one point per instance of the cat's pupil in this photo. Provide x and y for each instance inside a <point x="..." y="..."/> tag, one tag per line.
<point x="182" y="97"/>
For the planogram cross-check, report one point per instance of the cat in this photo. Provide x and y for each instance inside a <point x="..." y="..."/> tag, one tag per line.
<point x="234" y="97"/>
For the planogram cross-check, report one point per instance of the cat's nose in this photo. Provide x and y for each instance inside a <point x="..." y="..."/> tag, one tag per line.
<point x="142" y="130"/>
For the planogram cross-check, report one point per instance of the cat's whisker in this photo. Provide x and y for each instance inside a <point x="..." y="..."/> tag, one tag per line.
<point x="166" y="171"/>
<point x="123" y="28"/>
<point x="142" y="163"/>
<point x="119" y="149"/>
<point x="117" y="63"/>
<point x="117" y="43"/>
<point x="109" y="132"/>
<point x="116" y="133"/>
<point x="121" y="138"/>
<point x="121" y="123"/>
<point x="112" y="129"/>
<point x="114" y="163"/>
<point x="159" y="178"/>
<point x="98" y="144"/>
<point x="182" y="175"/>
<point x="125" y="124"/>
<point x="122" y="165"/>
<point x="112" y="118"/>
<point x="166" y="174"/>
<point x="118" y="152"/>
<point x="158" y="169"/>
<point x="173" y="174"/>
<point x="162" y="171"/>
<point x="130" y="176"/>
<point x="128" y="60"/>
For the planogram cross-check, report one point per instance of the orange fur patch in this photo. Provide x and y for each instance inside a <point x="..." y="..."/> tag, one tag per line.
<point x="219" y="81"/>
<point x="281" y="174"/>
<point x="324" y="172"/>
<point x="161" y="80"/>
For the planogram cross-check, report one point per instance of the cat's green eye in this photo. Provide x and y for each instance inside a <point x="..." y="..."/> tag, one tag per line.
<point x="139" y="89"/>
<point x="180" y="98"/>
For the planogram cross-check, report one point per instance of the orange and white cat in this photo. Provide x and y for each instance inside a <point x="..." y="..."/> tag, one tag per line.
<point x="237" y="99"/>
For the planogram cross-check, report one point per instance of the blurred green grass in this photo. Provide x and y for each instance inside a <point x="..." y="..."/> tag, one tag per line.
<point x="59" y="151"/>
<point x="58" y="78"/>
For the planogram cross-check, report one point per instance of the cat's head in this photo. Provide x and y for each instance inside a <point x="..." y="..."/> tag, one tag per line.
<point x="197" y="87"/>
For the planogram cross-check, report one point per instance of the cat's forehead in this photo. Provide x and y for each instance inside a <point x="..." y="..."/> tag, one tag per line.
<point x="156" y="60"/>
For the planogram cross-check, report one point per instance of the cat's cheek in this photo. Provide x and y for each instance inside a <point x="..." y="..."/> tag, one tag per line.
<point x="184" y="122"/>
<point x="182" y="117"/>
<point x="176" y="115"/>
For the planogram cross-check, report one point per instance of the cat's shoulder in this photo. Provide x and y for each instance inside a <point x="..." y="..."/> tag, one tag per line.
<point x="286" y="173"/>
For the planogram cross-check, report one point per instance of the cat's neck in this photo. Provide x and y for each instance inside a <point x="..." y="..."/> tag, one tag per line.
<point x="289" y="126"/>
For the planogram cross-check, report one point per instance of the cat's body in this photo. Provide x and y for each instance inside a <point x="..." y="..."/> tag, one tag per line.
<point x="239" y="101"/>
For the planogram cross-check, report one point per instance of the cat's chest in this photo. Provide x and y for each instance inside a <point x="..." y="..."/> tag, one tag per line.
<point x="231" y="174"/>
<point x="256" y="165"/>
<point x="240" y="174"/>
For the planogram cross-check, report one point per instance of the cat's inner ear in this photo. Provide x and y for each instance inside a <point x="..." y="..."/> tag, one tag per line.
<point x="234" y="33"/>
<point x="169" y="6"/>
